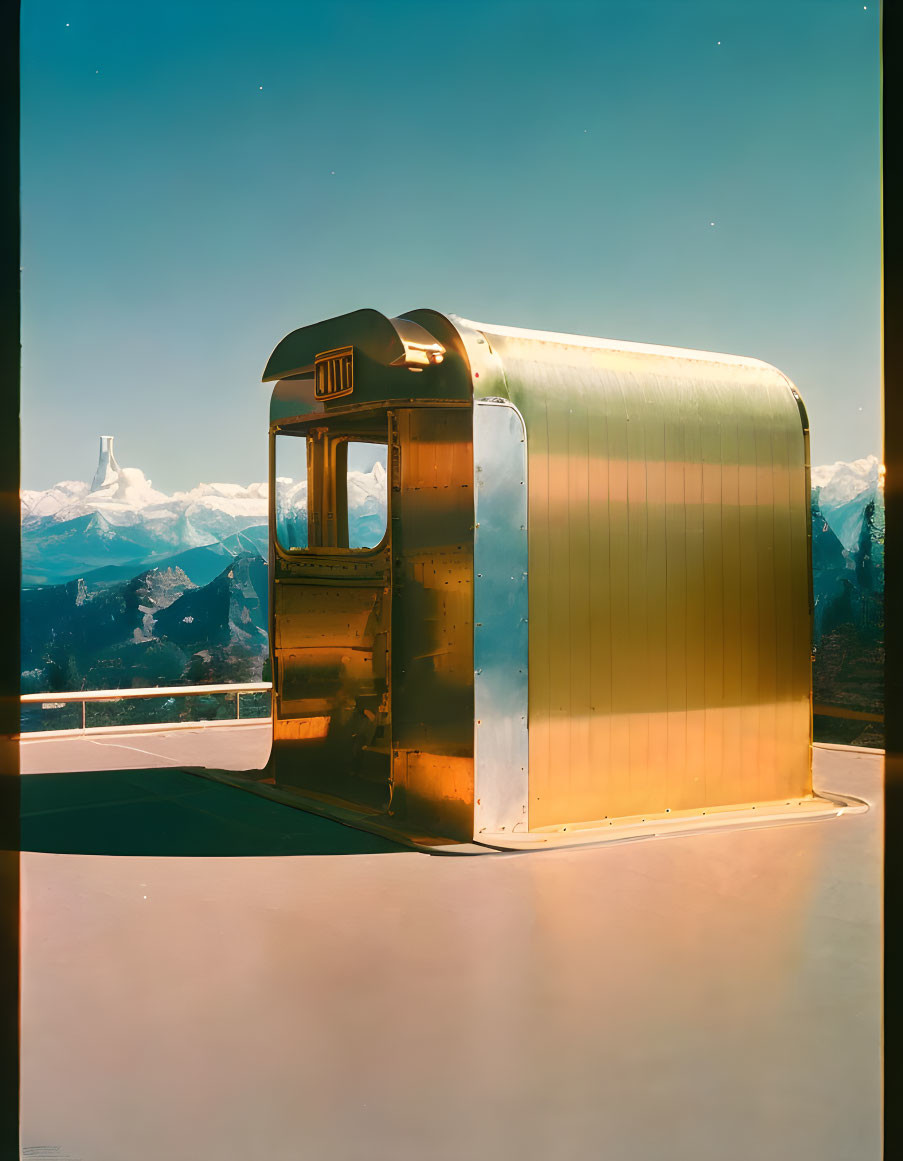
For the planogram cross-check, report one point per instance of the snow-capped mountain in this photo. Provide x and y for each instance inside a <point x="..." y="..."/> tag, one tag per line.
<point x="841" y="481"/>
<point x="41" y="505"/>
<point x="842" y="492"/>
<point x="121" y="520"/>
<point x="127" y="498"/>
<point x="367" y="491"/>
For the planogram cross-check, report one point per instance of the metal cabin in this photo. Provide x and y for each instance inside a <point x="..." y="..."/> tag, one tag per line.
<point x="568" y="599"/>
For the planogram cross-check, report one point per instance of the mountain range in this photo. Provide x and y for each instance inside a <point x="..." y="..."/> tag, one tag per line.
<point x="120" y="524"/>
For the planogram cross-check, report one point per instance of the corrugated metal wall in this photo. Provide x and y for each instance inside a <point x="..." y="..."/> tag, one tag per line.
<point x="668" y="581"/>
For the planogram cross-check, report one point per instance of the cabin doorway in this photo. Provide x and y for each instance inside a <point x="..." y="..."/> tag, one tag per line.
<point x="372" y="610"/>
<point x="331" y="606"/>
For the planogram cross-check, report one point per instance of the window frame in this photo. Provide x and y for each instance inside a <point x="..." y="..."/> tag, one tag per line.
<point x="340" y="430"/>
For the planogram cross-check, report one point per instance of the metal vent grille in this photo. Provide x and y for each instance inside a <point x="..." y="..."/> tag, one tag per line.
<point x="334" y="373"/>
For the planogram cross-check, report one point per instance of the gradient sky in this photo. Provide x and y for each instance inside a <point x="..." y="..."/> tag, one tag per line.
<point x="198" y="179"/>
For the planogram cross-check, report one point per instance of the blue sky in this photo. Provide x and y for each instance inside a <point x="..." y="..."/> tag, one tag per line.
<point x="200" y="178"/>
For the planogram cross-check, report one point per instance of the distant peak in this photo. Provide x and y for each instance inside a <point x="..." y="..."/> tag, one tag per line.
<point x="107" y="468"/>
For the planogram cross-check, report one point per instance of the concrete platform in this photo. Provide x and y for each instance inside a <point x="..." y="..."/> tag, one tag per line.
<point x="699" y="996"/>
<point x="233" y="746"/>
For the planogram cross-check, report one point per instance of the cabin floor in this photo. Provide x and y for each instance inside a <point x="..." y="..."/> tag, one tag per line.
<point x="311" y="991"/>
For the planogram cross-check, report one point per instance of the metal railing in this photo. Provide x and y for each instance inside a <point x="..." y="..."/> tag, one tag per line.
<point x="84" y="696"/>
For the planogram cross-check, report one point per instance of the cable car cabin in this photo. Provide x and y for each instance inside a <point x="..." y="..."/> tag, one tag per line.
<point x="532" y="589"/>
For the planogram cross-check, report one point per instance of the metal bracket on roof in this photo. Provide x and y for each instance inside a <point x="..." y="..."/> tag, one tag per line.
<point x="419" y="355"/>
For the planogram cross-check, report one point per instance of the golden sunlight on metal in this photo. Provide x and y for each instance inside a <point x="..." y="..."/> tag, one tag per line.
<point x="298" y="728"/>
<point x="419" y="355"/>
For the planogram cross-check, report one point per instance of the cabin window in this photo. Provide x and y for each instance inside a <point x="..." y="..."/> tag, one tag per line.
<point x="291" y="491"/>
<point x="331" y="490"/>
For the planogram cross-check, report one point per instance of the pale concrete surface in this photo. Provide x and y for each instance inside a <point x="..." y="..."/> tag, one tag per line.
<point x="240" y="747"/>
<point x="703" y="997"/>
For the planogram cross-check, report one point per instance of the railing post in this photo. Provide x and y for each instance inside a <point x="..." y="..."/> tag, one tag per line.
<point x="84" y="703"/>
<point x="237" y="705"/>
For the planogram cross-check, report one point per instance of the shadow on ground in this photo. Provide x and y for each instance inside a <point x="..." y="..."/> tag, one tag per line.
<point x="172" y="812"/>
